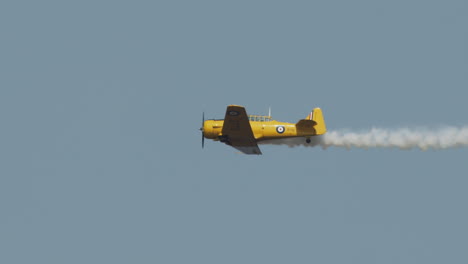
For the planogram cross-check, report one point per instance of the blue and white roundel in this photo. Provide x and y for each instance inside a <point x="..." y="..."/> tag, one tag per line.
<point x="280" y="129"/>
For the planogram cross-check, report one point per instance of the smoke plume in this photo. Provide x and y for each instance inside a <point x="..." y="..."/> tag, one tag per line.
<point x="403" y="138"/>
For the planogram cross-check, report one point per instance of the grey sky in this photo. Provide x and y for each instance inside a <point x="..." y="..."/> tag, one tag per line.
<point x="101" y="101"/>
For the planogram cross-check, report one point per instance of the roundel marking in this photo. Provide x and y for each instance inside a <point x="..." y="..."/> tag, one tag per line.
<point x="233" y="113"/>
<point x="280" y="129"/>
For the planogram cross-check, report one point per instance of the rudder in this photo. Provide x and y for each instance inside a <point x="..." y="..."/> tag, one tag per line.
<point x="320" y="126"/>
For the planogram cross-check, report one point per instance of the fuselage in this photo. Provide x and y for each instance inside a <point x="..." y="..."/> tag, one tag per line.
<point x="262" y="128"/>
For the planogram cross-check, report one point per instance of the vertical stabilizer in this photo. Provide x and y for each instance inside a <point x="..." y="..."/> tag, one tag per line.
<point x="317" y="116"/>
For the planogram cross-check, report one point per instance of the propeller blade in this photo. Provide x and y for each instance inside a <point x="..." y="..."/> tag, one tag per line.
<point x="203" y="132"/>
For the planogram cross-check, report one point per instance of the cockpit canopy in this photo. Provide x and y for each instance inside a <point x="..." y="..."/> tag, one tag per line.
<point x="257" y="118"/>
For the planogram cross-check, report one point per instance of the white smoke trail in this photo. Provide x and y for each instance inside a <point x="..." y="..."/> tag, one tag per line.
<point x="403" y="138"/>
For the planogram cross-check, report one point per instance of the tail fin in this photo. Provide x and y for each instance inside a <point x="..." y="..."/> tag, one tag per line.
<point x="313" y="123"/>
<point x="317" y="116"/>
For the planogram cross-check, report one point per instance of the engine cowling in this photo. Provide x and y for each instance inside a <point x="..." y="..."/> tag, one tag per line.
<point x="212" y="128"/>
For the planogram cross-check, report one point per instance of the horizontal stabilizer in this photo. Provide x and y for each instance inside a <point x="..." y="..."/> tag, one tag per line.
<point x="305" y="123"/>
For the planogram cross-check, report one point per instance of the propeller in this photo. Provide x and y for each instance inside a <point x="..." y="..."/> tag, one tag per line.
<point x="202" y="131"/>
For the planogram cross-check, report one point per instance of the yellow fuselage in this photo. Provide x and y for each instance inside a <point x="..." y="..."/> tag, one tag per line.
<point x="262" y="130"/>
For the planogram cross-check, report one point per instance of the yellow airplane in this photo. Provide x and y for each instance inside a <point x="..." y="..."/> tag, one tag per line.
<point x="243" y="131"/>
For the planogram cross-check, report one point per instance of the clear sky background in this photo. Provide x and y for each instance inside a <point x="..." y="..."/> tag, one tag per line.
<point x="101" y="159"/>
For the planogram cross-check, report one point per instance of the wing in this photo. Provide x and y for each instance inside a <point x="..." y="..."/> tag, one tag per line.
<point x="237" y="131"/>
